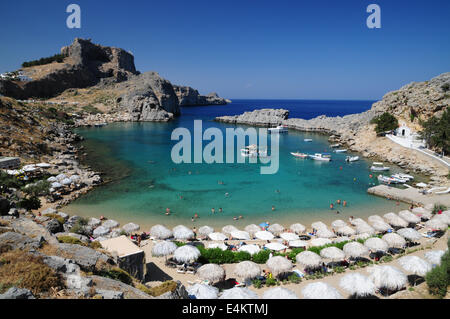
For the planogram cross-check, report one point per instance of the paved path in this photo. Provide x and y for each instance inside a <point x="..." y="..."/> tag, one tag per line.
<point x="410" y="195"/>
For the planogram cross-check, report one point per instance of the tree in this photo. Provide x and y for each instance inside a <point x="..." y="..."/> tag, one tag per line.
<point x="436" y="132"/>
<point x="385" y="123"/>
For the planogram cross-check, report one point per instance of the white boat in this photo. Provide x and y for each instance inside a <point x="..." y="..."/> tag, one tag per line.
<point x="307" y="140"/>
<point x="253" y="151"/>
<point x="378" y="167"/>
<point x="403" y="176"/>
<point x="400" y="180"/>
<point x="278" y="129"/>
<point x="387" y="180"/>
<point x="300" y="155"/>
<point x="335" y="145"/>
<point x="321" y="157"/>
<point x="352" y="159"/>
<point x="341" y="151"/>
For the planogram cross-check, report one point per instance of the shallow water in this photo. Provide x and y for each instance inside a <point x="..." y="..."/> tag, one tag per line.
<point x="145" y="181"/>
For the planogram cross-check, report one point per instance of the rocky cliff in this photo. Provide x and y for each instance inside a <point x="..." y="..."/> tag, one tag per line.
<point x="188" y="96"/>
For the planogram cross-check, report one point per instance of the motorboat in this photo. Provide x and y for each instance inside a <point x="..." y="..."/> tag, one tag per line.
<point x="352" y="159"/>
<point x="335" y="145"/>
<point x="278" y="129"/>
<point x="307" y="140"/>
<point x="387" y="180"/>
<point x="399" y="180"/>
<point x="321" y="157"/>
<point x="403" y="176"/>
<point x="340" y="151"/>
<point x="300" y="155"/>
<point x="253" y="151"/>
<point x="379" y="167"/>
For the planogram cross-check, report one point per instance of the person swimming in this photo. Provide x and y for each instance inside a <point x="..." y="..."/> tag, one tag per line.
<point x="220" y="210"/>
<point x="213" y="210"/>
<point x="273" y="208"/>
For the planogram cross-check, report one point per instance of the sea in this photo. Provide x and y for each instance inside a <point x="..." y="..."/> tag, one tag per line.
<point x="143" y="181"/>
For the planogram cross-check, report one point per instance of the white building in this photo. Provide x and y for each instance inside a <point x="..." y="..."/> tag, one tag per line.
<point x="404" y="131"/>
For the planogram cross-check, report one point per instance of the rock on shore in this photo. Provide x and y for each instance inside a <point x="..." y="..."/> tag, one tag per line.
<point x="188" y="96"/>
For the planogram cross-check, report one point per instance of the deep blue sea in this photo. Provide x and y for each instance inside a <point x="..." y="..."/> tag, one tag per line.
<point x="136" y="157"/>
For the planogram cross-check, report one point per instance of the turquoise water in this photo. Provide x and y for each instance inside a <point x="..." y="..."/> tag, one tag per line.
<point x="145" y="181"/>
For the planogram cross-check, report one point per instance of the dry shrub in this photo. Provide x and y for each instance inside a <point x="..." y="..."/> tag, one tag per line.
<point x="24" y="270"/>
<point x="168" y="286"/>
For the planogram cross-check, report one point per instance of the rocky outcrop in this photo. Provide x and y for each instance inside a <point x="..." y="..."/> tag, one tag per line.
<point x="17" y="293"/>
<point x="188" y="96"/>
<point x="264" y="117"/>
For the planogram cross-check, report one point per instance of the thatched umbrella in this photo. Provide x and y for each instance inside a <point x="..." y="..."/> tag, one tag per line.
<point x="163" y="248"/>
<point x="357" y="285"/>
<point x="252" y="229"/>
<point x="251" y="249"/>
<point x="279" y="293"/>
<point x="317" y="242"/>
<point x="186" y="254"/>
<point x="409" y="217"/>
<point x="332" y="253"/>
<point x="409" y="234"/>
<point x="239" y="234"/>
<point x="395" y="220"/>
<point x="357" y="221"/>
<point x="436" y="224"/>
<point x="238" y="293"/>
<point x="381" y="226"/>
<point x="160" y="232"/>
<point x="422" y="213"/>
<point x="275" y="246"/>
<point x="325" y="233"/>
<point x="217" y="236"/>
<point x="318" y="225"/>
<point x="222" y="246"/>
<point x="375" y="218"/>
<point x="387" y="277"/>
<point x="289" y="236"/>
<point x="205" y="231"/>
<point x="227" y="230"/>
<point x="341" y="239"/>
<point x="355" y="250"/>
<point x="202" y="291"/>
<point x="414" y="264"/>
<point x="211" y="272"/>
<point x="362" y="236"/>
<point x="320" y="290"/>
<point x="376" y="244"/>
<point x="279" y="265"/>
<point x="183" y="233"/>
<point x="276" y="229"/>
<point x="434" y="256"/>
<point x="444" y="218"/>
<point x="394" y="240"/>
<point x="346" y="231"/>
<point x="298" y="228"/>
<point x="308" y="259"/>
<point x="298" y="243"/>
<point x="338" y="224"/>
<point x="364" y="229"/>
<point x="264" y="235"/>
<point x="247" y="270"/>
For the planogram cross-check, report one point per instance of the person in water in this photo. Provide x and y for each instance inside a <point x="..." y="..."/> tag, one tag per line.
<point x="338" y="202"/>
<point x="220" y="210"/>
<point x="331" y="206"/>
<point x="345" y="203"/>
<point x="196" y="216"/>
<point x="213" y="210"/>
<point x="273" y="208"/>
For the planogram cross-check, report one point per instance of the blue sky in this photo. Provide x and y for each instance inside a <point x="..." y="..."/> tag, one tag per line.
<point x="312" y="49"/>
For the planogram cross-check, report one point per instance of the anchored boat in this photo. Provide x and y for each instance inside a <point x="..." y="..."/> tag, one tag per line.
<point x="321" y="157"/>
<point x="279" y="129"/>
<point x="378" y="167"/>
<point x="300" y="155"/>
<point x="350" y="159"/>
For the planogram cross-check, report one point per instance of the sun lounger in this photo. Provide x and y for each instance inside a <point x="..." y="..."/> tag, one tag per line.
<point x="181" y="271"/>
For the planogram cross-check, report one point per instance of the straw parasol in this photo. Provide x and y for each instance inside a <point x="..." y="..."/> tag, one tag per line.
<point x="395" y="220"/>
<point x="183" y="233"/>
<point x="279" y="293"/>
<point x="186" y="254"/>
<point x="325" y="233"/>
<point x="298" y="228"/>
<point x="346" y="231"/>
<point x="341" y="239"/>
<point x="247" y="270"/>
<point x="376" y="244"/>
<point x="381" y="226"/>
<point x="444" y="218"/>
<point x="264" y="235"/>
<point x="358" y="285"/>
<point x="276" y="229"/>
<point x="217" y="236"/>
<point x="163" y="248"/>
<point x="357" y="221"/>
<point x="362" y="236"/>
<point x="409" y="217"/>
<point x="320" y="290"/>
<point x="251" y="249"/>
<point x="409" y="234"/>
<point x="252" y="229"/>
<point x="338" y="224"/>
<point x="239" y="234"/>
<point x="228" y="229"/>
<point x="387" y="277"/>
<point x="279" y="265"/>
<point x="394" y="240"/>
<point x="275" y="246"/>
<point x="205" y="231"/>
<point x="298" y="243"/>
<point x="238" y="293"/>
<point x="317" y="242"/>
<point x="422" y="212"/>
<point x="355" y="249"/>
<point x="332" y="253"/>
<point x="202" y="291"/>
<point x="308" y="259"/>
<point x="318" y="225"/>
<point x="414" y="264"/>
<point x="436" y="224"/>
<point x="365" y="229"/>
<point x="289" y="236"/>
<point x="160" y="232"/>
<point x="211" y="272"/>
<point x="375" y="218"/>
<point x="222" y="246"/>
<point x="434" y="256"/>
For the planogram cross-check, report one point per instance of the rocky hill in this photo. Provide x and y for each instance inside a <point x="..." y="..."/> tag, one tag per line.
<point x="188" y="96"/>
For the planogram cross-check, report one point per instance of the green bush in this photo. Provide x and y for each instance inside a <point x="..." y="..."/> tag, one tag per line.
<point x="117" y="274"/>
<point x="436" y="132"/>
<point x="437" y="281"/>
<point x="271" y="282"/>
<point x="241" y="256"/>
<point x="438" y="207"/>
<point x="70" y="240"/>
<point x="294" y="279"/>
<point x="385" y="123"/>
<point x="257" y="283"/>
<point x="31" y="203"/>
<point x="55" y="58"/>
<point x="261" y="257"/>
